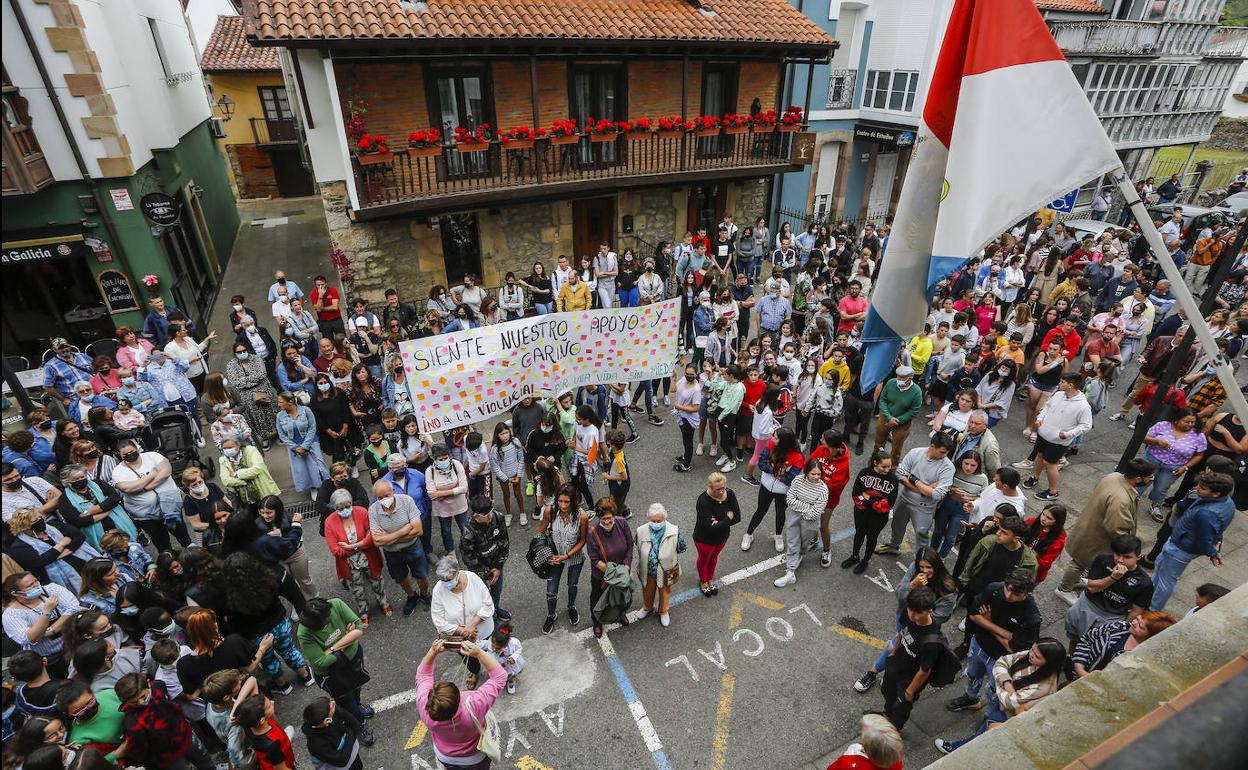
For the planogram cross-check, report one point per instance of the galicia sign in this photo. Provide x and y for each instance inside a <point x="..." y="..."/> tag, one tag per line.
<point x="41" y="246"/>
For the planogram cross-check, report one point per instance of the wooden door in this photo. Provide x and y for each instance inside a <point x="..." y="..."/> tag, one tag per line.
<point x="593" y="221"/>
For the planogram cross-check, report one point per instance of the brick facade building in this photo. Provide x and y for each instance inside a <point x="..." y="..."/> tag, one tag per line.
<point x="412" y="218"/>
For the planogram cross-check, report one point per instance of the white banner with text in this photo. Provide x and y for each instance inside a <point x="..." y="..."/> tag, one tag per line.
<point x="469" y="376"/>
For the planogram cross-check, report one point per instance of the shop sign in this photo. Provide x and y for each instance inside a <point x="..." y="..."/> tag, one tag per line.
<point x="43" y="245"/>
<point x="117" y="291"/>
<point x="121" y="199"/>
<point x="803" y="150"/>
<point x="160" y="209"/>
<point x="103" y="254"/>
<point x="890" y="137"/>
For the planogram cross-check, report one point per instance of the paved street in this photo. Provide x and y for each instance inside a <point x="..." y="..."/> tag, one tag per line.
<point x="756" y="677"/>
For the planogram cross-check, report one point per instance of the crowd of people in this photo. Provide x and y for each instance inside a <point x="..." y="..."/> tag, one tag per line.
<point x="127" y="648"/>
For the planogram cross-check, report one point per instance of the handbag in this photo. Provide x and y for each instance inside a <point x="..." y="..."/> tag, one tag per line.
<point x="345" y="676"/>
<point x="681" y="545"/>
<point x="489" y="743"/>
<point x="671" y="575"/>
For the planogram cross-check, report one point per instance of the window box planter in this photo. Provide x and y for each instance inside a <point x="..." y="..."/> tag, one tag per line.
<point x="472" y="146"/>
<point x="735" y="129"/>
<point x="425" y="152"/>
<point x="374" y="158"/>
<point x="707" y="132"/>
<point x="637" y="136"/>
<point x="670" y="133"/>
<point x="764" y="129"/>
<point x="557" y="139"/>
<point x="518" y="144"/>
<point x="603" y="137"/>
<point x="788" y="128"/>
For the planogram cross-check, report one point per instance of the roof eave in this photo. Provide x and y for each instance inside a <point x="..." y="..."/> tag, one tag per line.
<point x="818" y="51"/>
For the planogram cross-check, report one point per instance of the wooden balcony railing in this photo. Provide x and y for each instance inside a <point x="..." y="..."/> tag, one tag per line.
<point x="268" y="131"/>
<point x="448" y="178"/>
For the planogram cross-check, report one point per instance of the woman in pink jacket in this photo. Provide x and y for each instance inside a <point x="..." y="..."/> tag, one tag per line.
<point x="455" y="718"/>
<point x="132" y="350"/>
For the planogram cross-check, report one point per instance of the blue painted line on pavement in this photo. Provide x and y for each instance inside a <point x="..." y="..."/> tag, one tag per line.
<point x="621" y="679"/>
<point x="660" y="760"/>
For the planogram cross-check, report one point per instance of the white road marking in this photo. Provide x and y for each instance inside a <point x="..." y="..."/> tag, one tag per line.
<point x="881" y="580"/>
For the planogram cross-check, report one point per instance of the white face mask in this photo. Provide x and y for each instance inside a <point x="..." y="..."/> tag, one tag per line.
<point x="386" y="502"/>
<point x="904" y="385"/>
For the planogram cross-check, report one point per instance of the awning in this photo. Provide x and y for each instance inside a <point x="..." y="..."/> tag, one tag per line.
<point x="64" y="242"/>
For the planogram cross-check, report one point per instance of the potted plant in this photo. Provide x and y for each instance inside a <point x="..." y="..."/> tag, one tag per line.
<point x="736" y="124"/>
<point x="152" y="282"/>
<point x="424" y="144"/>
<point x="704" y="125"/>
<point x="670" y="126"/>
<point x="564" y="132"/>
<point x="602" y="130"/>
<point x="372" y="150"/>
<point x="520" y="137"/>
<point x="791" y="120"/>
<point x="636" y="130"/>
<point x="765" y="122"/>
<point x="478" y="140"/>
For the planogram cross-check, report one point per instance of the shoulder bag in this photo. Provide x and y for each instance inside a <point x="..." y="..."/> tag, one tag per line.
<point x="345" y="676"/>
<point x="489" y="743"/>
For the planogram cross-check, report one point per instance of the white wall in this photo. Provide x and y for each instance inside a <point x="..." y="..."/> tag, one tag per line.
<point x="327" y="140"/>
<point x="1234" y="108"/>
<point x="202" y="16"/>
<point x="152" y="114"/>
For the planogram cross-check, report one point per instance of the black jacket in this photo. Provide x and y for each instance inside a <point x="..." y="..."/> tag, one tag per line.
<point x="484" y="547"/>
<point x="359" y="496"/>
<point x="270" y="346"/>
<point x="334" y="744"/>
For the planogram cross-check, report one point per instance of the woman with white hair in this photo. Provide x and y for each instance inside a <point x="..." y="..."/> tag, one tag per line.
<point x="878" y="747"/>
<point x="462" y="610"/>
<point x="357" y="559"/>
<point x="657" y="566"/>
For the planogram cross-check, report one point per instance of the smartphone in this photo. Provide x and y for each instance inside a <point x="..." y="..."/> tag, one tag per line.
<point x="449" y="645"/>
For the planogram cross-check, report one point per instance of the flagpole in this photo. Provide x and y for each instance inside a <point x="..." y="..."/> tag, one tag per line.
<point x="1183" y="294"/>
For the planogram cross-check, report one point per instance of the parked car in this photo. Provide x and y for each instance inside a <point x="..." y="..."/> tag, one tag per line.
<point x="1081" y="227"/>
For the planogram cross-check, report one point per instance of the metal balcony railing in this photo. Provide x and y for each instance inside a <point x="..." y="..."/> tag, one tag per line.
<point x="445" y="177"/>
<point x="270" y="131"/>
<point x="1107" y="36"/>
<point x="1229" y="42"/>
<point x="841" y="89"/>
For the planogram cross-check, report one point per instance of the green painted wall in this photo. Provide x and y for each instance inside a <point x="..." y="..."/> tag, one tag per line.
<point x="195" y="159"/>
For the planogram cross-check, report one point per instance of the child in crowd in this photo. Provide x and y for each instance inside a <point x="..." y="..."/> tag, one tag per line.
<point x="133" y="562"/>
<point x="619" y="408"/>
<point x="166" y="653"/>
<point x="454" y="439"/>
<point x="616" y="473"/>
<point x="264" y="735"/>
<point x="126" y="417"/>
<point x="222" y="691"/>
<point x="510" y="654"/>
<point x="477" y="464"/>
<point x="333" y="735"/>
<point x="154" y="731"/>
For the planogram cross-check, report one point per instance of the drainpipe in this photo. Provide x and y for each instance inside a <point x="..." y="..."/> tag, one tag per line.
<point x="788" y="99"/>
<point x="69" y="136"/>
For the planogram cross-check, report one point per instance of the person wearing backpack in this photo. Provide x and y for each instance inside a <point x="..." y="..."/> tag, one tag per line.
<point x="919" y="648"/>
<point x="1006" y="619"/>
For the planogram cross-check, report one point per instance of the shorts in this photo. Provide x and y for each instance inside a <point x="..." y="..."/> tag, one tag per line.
<point x="745" y="423"/>
<point x="1051" y="452"/>
<point x="408" y="561"/>
<point x="1031" y="383"/>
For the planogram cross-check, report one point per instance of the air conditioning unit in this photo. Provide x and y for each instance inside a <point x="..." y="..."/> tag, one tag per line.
<point x="218" y="127"/>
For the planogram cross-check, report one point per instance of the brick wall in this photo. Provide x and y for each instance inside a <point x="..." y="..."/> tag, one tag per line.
<point x="759" y="80"/>
<point x="253" y="171"/>
<point x="395" y="92"/>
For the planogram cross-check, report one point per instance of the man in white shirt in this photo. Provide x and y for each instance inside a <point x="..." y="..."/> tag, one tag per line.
<point x="605" y="269"/>
<point x="30" y="492"/>
<point x="152" y="497"/>
<point x="1003" y="489"/>
<point x="729" y="225"/>
<point x="280" y="282"/>
<point x="560" y="276"/>
<point x="281" y="305"/>
<point x="1174" y="227"/>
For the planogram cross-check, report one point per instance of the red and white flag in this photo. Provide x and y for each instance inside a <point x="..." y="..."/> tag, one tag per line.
<point x="1006" y="129"/>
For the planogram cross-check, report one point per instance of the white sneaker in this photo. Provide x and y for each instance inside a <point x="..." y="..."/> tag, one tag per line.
<point x="665" y="619"/>
<point x="1070" y="597"/>
<point x="507" y="520"/>
<point x="714" y="449"/>
<point x="728" y="466"/>
<point x="524" y="519"/>
<point x="747" y="540"/>
<point x="787" y="579"/>
<point x="697" y="450"/>
<point x="962" y="625"/>
<point x="667" y="401"/>
<point x="779" y="543"/>
<point x="642" y="613"/>
<point x="722" y="459"/>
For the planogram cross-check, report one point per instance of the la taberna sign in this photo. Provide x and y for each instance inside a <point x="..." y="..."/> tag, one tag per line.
<point x="160" y="209"/>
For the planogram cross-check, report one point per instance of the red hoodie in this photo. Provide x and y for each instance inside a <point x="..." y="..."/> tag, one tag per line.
<point x="835" y="471"/>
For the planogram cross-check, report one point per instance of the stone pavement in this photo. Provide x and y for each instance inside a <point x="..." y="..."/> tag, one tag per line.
<point x="756" y="677"/>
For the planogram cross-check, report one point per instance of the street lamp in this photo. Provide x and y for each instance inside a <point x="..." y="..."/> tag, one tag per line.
<point x="226" y="106"/>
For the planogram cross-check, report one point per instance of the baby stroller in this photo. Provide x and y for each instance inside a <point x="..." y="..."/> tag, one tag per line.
<point x="173" y="435"/>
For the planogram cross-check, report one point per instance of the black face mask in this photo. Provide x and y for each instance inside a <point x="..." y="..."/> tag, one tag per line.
<point x="130" y="456"/>
<point x="88" y="713"/>
<point x="340" y="483"/>
<point x="691" y="377"/>
<point x="38" y="526"/>
<point x="13" y="486"/>
<point x="78" y="485"/>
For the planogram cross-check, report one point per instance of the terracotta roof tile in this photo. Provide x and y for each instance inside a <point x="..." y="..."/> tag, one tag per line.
<point x="749" y="21"/>
<point x="1085" y="6"/>
<point x="227" y="50"/>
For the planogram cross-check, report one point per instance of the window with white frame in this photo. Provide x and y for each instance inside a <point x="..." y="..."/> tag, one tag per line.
<point x="892" y="90"/>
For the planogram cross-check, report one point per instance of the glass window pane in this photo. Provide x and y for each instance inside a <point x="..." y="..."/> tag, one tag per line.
<point x="449" y="104"/>
<point x="897" y="97"/>
<point x="473" y="103"/>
